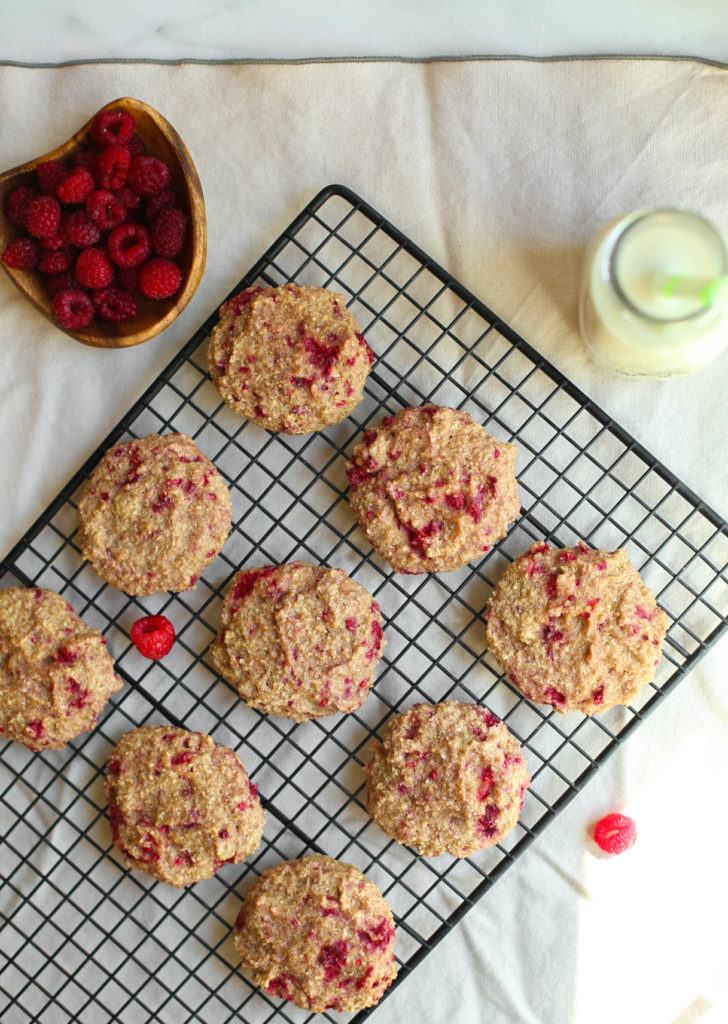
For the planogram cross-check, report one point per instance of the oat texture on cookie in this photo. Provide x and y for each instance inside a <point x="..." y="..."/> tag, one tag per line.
<point x="431" y="489"/>
<point x="446" y="778"/>
<point x="180" y="805"/>
<point x="55" y="672"/>
<point x="154" y="514"/>
<point x="319" y="933"/>
<point x="575" y="627"/>
<point x="299" y="640"/>
<point x="291" y="359"/>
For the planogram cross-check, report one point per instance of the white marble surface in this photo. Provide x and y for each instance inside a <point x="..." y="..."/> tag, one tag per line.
<point x="53" y="31"/>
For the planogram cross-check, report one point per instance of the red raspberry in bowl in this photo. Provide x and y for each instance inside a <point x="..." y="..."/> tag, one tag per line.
<point x="16" y="206"/>
<point x="128" y="278"/>
<point x="57" y="260"/>
<point x="22" y="254"/>
<point x="105" y="209"/>
<point x="73" y="308"/>
<point x="167" y="232"/>
<point x="112" y="128"/>
<point x="129" y="245"/>
<point x="159" y="278"/>
<point x="112" y="166"/>
<point x="62" y="282"/>
<point x="114" y="304"/>
<point x="93" y="269"/>
<point x="615" y="833"/>
<point x="77" y="186"/>
<point x="153" y="204"/>
<point x="153" y="636"/>
<point x="49" y="175"/>
<point x="80" y="231"/>
<point x="87" y="158"/>
<point x="148" y="175"/>
<point x="43" y="216"/>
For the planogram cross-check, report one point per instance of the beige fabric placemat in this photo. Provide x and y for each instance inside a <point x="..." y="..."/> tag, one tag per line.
<point x="500" y="170"/>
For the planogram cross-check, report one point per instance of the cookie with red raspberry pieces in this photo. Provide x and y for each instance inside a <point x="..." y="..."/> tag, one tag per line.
<point x="55" y="672"/>
<point x="575" y="628"/>
<point x="431" y="489"/>
<point x="299" y="640"/>
<point x="446" y="778"/>
<point x="180" y="805"/>
<point x="291" y="359"/>
<point x="155" y="512"/>
<point x="319" y="933"/>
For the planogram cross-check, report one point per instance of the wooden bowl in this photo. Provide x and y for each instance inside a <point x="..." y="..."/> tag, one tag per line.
<point x="154" y="314"/>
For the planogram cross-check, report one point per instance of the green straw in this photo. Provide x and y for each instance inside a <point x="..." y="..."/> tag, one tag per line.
<point x="705" y="290"/>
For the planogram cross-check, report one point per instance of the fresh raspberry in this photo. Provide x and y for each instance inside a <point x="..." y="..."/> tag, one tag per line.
<point x="129" y="245"/>
<point x="58" y="260"/>
<point x="159" y="278"/>
<point x="137" y="146"/>
<point x="148" y="175"/>
<point x="16" y="206"/>
<point x="49" y="175"/>
<point x="56" y="241"/>
<point x="153" y="204"/>
<point x="114" y="304"/>
<point x="105" y="209"/>
<point x="77" y="187"/>
<point x="112" y="166"/>
<point x="615" y="833"/>
<point x="93" y="269"/>
<point x="22" y="254"/>
<point x="128" y="278"/>
<point x="44" y="216"/>
<point x="112" y="128"/>
<point x="62" y="282"/>
<point x="153" y="636"/>
<point x="87" y="158"/>
<point x="80" y="230"/>
<point x="73" y="308"/>
<point x="167" y="232"/>
<point x="130" y="199"/>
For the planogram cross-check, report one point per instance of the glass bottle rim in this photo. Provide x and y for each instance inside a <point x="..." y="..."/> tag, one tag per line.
<point x="614" y="276"/>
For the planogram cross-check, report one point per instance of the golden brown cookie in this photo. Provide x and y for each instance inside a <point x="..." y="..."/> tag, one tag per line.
<point x="298" y="640"/>
<point x="154" y="514"/>
<point x="446" y="778"/>
<point x="180" y="805"/>
<point x="319" y="933"/>
<point x="291" y="359"/>
<point x="431" y="489"/>
<point x="55" y="672"/>
<point x="575" y="628"/>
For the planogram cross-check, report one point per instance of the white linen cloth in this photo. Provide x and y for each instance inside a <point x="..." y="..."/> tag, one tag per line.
<point x="500" y="170"/>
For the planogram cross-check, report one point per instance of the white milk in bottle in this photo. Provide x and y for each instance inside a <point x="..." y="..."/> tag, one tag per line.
<point x="654" y="293"/>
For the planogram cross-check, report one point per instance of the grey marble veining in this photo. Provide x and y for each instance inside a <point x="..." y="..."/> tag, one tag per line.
<point x="63" y="30"/>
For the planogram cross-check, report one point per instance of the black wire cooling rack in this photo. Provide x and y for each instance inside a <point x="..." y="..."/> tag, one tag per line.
<point x="85" y="940"/>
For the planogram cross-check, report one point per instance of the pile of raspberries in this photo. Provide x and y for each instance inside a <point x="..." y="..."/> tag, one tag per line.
<point x="102" y="231"/>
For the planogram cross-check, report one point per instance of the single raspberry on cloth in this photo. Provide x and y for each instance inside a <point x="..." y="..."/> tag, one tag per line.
<point x="615" y="833"/>
<point x="153" y="636"/>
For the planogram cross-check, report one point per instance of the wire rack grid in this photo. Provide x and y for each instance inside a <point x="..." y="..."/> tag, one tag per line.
<point x="85" y="940"/>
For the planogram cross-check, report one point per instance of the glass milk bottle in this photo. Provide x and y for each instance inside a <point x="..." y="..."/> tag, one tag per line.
<point x="654" y="293"/>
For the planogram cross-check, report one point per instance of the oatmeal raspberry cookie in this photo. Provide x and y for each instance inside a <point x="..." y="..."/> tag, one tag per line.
<point x="575" y="628"/>
<point x="319" y="933"/>
<point x="154" y="514"/>
<point x="180" y="805"/>
<point x="446" y="778"/>
<point x="431" y="490"/>
<point x="291" y="359"/>
<point x="298" y="640"/>
<point x="55" y="673"/>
